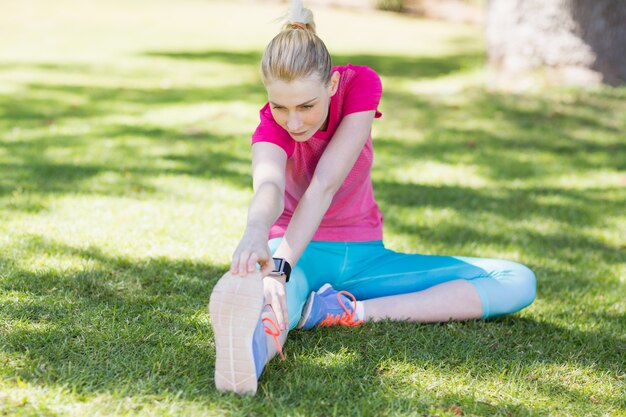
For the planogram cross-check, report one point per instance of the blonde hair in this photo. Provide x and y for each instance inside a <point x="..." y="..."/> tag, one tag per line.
<point x="296" y="52"/>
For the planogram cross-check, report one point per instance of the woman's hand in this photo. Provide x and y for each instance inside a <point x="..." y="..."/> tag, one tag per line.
<point x="276" y="298"/>
<point x="252" y="249"/>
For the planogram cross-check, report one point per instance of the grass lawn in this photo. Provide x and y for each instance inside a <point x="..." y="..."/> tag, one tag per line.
<point x="124" y="184"/>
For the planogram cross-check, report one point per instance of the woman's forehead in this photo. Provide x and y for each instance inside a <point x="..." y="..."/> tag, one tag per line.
<point x="294" y="92"/>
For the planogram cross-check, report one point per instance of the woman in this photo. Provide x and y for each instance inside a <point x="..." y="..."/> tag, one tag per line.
<point x="311" y="163"/>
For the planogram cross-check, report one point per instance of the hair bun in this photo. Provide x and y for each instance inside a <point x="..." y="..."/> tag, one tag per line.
<point x="299" y="17"/>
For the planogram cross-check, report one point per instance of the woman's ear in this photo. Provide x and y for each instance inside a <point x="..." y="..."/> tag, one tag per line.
<point x="333" y="85"/>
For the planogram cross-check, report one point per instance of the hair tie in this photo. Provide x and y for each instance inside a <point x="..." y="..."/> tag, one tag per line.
<point x="297" y="25"/>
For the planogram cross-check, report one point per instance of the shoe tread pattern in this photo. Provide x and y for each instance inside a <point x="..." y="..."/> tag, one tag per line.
<point x="234" y="309"/>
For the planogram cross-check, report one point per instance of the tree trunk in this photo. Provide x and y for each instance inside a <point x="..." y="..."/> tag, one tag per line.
<point x="576" y="41"/>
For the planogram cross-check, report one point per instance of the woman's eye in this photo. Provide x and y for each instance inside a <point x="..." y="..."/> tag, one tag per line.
<point x="308" y="106"/>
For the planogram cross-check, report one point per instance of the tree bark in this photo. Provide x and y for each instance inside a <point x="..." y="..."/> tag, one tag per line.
<point x="577" y="41"/>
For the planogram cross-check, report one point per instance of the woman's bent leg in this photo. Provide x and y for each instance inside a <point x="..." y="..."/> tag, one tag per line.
<point x="430" y="285"/>
<point x="454" y="300"/>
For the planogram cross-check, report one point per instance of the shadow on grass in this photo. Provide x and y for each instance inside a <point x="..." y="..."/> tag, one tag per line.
<point x="140" y="328"/>
<point x="131" y="166"/>
<point x="117" y="322"/>
<point x="567" y="206"/>
<point x="45" y="104"/>
<point x="518" y="137"/>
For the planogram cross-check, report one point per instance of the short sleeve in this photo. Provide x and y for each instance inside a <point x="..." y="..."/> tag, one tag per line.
<point x="270" y="131"/>
<point x="363" y="92"/>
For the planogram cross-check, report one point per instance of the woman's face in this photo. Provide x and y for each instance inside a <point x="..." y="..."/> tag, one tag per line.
<point x="301" y="106"/>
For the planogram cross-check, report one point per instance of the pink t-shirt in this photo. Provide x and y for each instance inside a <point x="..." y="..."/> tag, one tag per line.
<point x="353" y="215"/>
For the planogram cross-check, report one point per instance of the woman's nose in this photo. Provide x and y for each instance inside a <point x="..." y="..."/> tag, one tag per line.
<point x="294" y="122"/>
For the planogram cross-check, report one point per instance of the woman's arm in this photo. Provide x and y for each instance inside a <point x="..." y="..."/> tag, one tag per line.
<point x="333" y="168"/>
<point x="268" y="181"/>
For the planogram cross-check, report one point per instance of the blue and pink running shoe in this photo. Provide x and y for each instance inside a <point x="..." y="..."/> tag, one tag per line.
<point x="240" y="332"/>
<point x="328" y="307"/>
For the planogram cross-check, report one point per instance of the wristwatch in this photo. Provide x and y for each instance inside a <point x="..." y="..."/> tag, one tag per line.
<point x="281" y="268"/>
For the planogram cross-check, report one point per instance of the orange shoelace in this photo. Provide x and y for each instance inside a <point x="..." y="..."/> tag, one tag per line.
<point x="344" y="319"/>
<point x="274" y="333"/>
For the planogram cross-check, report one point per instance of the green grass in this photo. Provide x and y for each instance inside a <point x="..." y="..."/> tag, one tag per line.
<point x="124" y="180"/>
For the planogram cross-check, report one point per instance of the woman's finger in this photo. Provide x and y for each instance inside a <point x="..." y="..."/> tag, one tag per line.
<point x="283" y="305"/>
<point x="277" y="306"/>
<point x="251" y="264"/>
<point x="242" y="263"/>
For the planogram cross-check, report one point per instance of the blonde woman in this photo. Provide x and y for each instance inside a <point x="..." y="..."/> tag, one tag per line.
<point x="312" y="252"/>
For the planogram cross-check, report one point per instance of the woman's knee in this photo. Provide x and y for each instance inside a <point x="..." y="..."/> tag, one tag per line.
<point x="509" y="288"/>
<point x="524" y="283"/>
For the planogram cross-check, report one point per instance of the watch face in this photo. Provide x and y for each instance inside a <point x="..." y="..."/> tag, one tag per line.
<point x="278" y="263"/>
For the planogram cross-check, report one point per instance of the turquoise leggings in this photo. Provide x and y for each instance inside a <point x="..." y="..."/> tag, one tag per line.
<point x="369" y="270"/>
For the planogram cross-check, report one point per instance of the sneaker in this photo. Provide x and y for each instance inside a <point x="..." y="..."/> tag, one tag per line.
<point x="328" y="307"/>
<point x="240" y="333"/>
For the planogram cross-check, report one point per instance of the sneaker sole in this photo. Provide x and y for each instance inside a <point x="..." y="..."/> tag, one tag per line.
<point x="235" y="308"/>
